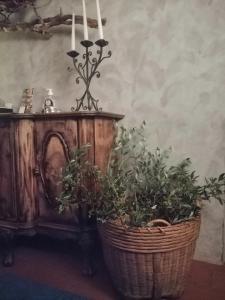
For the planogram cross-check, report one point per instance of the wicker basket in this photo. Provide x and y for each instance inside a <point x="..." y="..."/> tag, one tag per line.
<point x="149" y="263"/>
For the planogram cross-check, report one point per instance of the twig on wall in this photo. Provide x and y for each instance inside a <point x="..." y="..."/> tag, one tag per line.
<point x="42" y="26"/>
<point x="39" y="24"/>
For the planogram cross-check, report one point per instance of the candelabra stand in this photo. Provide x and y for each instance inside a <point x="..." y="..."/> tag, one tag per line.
<point x="86" y="71"/>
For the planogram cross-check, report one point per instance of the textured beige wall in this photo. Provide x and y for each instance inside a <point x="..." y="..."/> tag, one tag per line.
<point x="168" y="68"/>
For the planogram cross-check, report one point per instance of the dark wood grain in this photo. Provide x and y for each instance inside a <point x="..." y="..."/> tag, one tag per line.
<point x="86" y="136"/>
<point x="104" y="138"/>
<point x="7" y="203"/>
<point x="25" y="164"/>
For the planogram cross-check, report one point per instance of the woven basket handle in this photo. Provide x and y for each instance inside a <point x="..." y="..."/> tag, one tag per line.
<point x="159" y="221"/>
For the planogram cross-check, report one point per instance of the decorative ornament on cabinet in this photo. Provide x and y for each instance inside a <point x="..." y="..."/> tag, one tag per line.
<point x="49" y="103"/>
<point x="27" y="99"/>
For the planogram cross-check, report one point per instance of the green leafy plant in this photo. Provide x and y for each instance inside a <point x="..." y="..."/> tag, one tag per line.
<point x="78" y="181"/>
<point x="139" y="185"/>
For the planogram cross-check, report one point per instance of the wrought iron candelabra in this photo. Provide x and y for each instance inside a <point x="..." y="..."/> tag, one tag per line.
<point x="86" y="70"/>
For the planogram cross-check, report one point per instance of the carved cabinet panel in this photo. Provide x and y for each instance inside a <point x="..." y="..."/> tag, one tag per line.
<point x="53" y="142"/>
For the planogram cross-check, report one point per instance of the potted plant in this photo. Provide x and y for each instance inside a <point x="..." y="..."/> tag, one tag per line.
<point x="148" y="214"/>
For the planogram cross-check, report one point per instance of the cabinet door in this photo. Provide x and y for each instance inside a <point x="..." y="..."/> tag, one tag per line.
<point x="7" y="184"/>
<point x="54" y="141"/>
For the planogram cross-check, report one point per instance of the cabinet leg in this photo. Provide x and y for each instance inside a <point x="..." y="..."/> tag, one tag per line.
<point x="8" y="247"/>
<point x="86" y="244"/>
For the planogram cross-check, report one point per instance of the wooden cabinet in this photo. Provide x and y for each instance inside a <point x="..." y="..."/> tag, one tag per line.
<point x="33" y="150"/>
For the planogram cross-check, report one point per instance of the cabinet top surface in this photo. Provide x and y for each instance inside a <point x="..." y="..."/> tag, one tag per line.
<point x="62" y="115"/>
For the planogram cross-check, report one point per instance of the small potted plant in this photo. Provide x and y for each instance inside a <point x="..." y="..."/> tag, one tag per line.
<point x="148" y="213"/>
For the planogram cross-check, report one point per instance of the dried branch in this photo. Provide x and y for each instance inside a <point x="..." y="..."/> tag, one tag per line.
<point x="42" y="26"/>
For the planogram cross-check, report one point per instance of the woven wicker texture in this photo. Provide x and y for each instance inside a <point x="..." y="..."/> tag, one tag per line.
<point x="149" y="263"/>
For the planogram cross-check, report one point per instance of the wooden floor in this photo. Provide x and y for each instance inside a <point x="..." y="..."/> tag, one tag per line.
<point x="53" y="263"/>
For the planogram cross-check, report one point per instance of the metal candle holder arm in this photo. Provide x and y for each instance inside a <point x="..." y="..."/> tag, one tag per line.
<point x="86" y="71"/>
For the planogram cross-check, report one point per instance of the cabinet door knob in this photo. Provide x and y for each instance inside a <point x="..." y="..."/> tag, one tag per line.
<point x="36" y="171"/>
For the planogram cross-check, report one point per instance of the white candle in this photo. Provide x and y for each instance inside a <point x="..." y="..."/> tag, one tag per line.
<point x="73" y="33"/>
<point x="100" y="30"/>
<point x="85" y="21"/>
